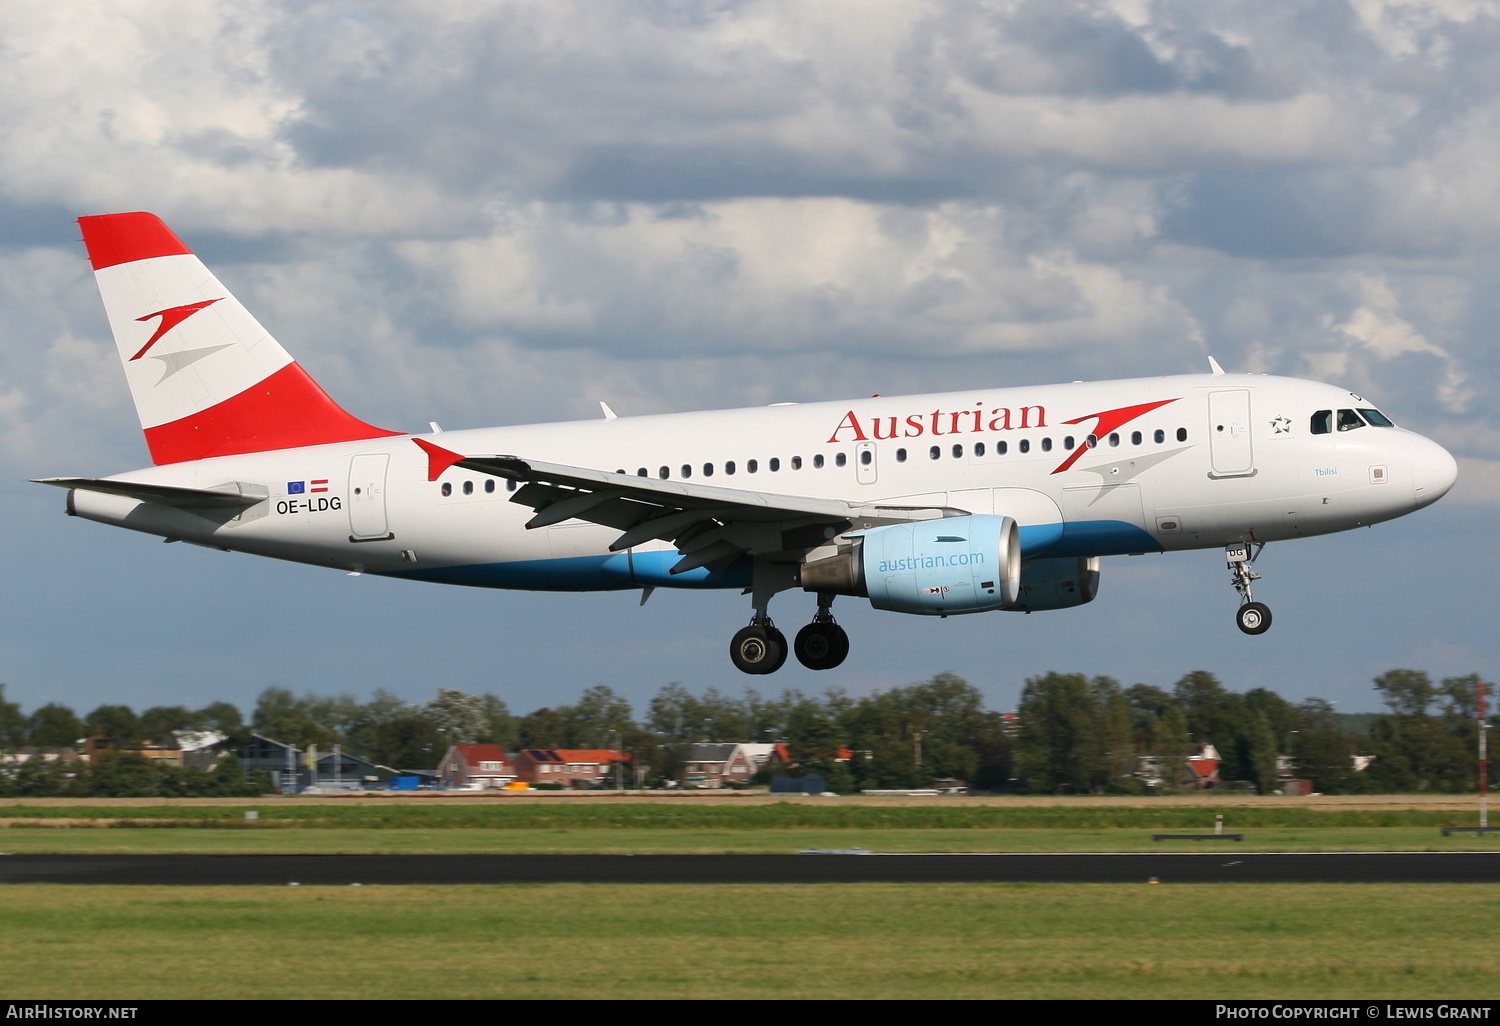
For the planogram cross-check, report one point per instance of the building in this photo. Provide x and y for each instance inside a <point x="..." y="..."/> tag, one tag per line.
<point x="717" y="764"/>
<point x="475" y="767"/>
<point x="285" y="763"/>
<point x="339" y="770"/>
<point x="168" y="753"/>
<point x="14" y="758"/>
<point x="1201" y="772"/>
<point x="575" y="768"/>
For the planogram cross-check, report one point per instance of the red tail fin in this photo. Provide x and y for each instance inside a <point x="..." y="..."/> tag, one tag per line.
<point x="207" y="379"/>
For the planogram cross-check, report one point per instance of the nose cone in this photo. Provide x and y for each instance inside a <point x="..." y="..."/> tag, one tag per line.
<point x="1433" y="471"/>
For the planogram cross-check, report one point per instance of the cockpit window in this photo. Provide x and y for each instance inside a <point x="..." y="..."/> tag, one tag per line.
<point x="1322" y="422"/>
<point x="1376" y="418"/>
<point x="1349" y="420"/>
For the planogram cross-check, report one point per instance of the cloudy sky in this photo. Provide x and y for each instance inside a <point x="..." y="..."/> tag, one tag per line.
<point x="485" y="212"/>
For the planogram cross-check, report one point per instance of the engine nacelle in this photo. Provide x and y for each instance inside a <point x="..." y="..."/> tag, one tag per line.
<point x="969" y="564"/>
<point x="1057" y="584"/>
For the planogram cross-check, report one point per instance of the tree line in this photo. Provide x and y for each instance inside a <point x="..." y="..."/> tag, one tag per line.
<point x="1070" y="733"/>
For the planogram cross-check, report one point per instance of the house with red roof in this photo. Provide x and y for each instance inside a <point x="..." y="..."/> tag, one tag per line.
<point x="1202" y="770"/>
<point x="475" y="766"/>
<point x="570" y="767"/>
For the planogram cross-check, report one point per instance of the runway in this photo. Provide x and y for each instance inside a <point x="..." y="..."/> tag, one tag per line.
<point x="347" y="870"/>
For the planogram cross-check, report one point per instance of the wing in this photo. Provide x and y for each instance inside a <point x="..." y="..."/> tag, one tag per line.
<point x="711" y="526"/>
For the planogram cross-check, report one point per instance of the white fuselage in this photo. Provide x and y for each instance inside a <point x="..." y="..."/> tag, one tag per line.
<point x="1224" y="458"/>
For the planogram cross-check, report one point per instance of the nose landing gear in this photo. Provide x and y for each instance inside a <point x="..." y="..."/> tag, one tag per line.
<point x="1252" y="617"/>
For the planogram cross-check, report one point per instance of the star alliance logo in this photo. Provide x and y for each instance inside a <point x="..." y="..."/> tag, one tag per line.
<point x="1281" y="426"/>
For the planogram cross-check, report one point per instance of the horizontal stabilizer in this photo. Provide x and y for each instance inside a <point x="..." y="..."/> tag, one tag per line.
<point x="233" y="495"/>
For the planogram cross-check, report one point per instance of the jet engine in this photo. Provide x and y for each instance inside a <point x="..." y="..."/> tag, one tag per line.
<point x="968" y="564"/>
<point x="1057" y="584"/>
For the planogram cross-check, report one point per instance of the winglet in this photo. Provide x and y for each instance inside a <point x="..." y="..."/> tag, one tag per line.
<point x="438" y="458"/>
<point x="1213" y="365"/>
<point x="608" y="413"/>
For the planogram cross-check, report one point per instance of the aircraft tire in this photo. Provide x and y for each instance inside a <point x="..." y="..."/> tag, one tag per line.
<point x="1253" y="618"/>
<point x="782" y="648"/>
<point x="821" y="646"/>
<point x="756" y="649"/>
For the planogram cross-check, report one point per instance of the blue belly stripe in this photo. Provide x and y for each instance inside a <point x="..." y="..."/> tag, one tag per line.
<point x="617" y="572"/>
<point x="581" y="573"/>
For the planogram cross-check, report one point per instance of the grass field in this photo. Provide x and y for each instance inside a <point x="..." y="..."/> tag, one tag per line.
<point x="735" y="941"/>
<point x="847" y="941"/>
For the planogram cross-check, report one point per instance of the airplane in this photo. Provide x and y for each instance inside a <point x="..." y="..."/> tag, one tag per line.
<point x="971" y="501"/>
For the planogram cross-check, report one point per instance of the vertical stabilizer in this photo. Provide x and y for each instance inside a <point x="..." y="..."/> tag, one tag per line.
<point x="206" y="378"/>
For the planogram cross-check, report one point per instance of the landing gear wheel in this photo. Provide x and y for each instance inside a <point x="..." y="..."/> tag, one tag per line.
<point x="821" y="645"/>
<point x="782" y="648"/>
<point x="758" y="649"/>
<point x="1254" y="618"/>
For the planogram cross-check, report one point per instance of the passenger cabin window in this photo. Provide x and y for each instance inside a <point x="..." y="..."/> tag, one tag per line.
<point x="1046" y="445"/>
<point x="489" y="484"/>
<point x="934" y="452"/>
<point x="978" y="450"/>
<point x="1182" y="434"/>
<point x="468" y="487"/>
<point x="708" y="470"/>
<point x="1160" y="436"/>
<point x="1001" y="448"/>
<point x="1349" y="420"/>
<point x="775" y="464"/>
<point x="866" y="457"/>
<point x="1068" y="443"/>
<point x="900" y="455"/>
<point x="641" y="472"/>
<point x="1025" y="445"/>
<point x="1135" y="438"/>
<point x="752" y="466"/>
<point x="1114" y="439"/>
<point x="840" y="459"/>
<point x="687" y="471"/>
<point x="447" y="487"/>
<point x="729" y="466"/>
<point x="796" y="462"/>
<point x="664" y="473"/>
<point x="958" y="452"/>
<point x="818" y="461"/>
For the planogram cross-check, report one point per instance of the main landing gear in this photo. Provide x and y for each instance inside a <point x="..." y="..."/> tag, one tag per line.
<point x="822" y="644"/>
<point x="760" y="648"/>
<point x="1252" y="617"/>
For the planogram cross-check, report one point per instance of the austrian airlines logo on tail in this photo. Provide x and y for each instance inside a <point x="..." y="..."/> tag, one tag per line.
<point x="170" y="318"/>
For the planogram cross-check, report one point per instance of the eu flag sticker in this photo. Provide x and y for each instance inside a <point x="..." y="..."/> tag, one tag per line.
<point x="295" y="487"/>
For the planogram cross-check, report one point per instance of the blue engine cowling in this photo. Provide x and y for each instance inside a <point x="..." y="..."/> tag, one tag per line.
<point x="1057" y="584"/>
<point x="968" y="564"/>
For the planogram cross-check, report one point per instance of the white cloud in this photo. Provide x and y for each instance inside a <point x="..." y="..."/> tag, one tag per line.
<point x="1376" y="326"/>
